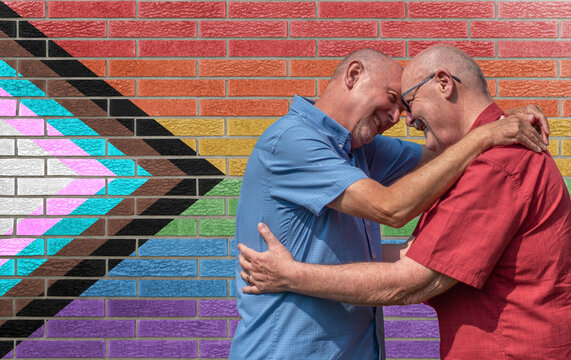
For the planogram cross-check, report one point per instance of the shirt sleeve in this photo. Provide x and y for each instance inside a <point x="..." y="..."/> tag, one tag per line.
<point x="307" y="170"/>
<point x="465" y="233"/>
<point x="390" y="158"/>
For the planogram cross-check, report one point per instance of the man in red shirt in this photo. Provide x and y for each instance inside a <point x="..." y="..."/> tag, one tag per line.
<point x="491" y="256"/>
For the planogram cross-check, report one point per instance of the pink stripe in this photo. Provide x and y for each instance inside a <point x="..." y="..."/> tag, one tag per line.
<point x="4" y="93"/>
<point x="25" y="111"/>
<point x="59" y="206"/>
<point x="38" y="211"/>
<point x="63" y="147"/>
<point x="36" y="226"/>
<point x="2" y="262"/>
<point x="29" y="127"/>
<point x="87" y="167"/>
<point x="7" y="107"/>
<point x="83" y="187"/>
<point x="11" y="247"/>
<point x="52" y="131"/>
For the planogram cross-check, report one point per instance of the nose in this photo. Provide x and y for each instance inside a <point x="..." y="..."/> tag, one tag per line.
<point x="409" y="119"/>
<point x="394" y="114"/>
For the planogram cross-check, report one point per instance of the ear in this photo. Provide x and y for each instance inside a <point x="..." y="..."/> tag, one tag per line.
<point x="446" y="84"/>
<point x="353" y="73"/>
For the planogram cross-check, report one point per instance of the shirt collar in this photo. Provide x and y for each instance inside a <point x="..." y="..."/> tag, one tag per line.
<point x="325" y="123"/>
<point x="490" y="114"/>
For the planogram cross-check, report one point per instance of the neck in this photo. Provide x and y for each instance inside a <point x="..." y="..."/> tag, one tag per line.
<point x="332" y="104"/>
<point x="474" y="105"/>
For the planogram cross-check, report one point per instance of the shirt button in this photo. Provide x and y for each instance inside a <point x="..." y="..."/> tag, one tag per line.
<point x="341" y="146"/>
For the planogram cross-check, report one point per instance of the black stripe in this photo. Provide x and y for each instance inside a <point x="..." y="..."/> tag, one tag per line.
<point x="170" y="147"/>
<point x="145" y="227"/>
<point x="44" y="307"/>
<point x="169" y="207"/>
<point x="19" y="328"/>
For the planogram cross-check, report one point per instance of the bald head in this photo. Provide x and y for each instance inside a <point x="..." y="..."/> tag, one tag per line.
<point x="372" y="60"/>
<point x="452" y="59"/>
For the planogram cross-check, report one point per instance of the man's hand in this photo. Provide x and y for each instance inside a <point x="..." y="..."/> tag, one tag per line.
<point x="266" y="271"/>
<point x="537" y="120"/>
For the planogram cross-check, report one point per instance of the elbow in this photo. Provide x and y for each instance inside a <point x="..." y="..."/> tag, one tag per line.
<point x="395" y="218"/>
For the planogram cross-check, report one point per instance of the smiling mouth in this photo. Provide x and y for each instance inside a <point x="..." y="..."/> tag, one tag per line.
<point x="418" y="125"/>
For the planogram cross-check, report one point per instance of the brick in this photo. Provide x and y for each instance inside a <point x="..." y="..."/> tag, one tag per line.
<point x="472" y="48"/>
<point x="182" y="48"/>
<point x="179" y="227"/>
<point x="564" y="166"/>
<point x="62" y="88"/>
<point x="178" y="9"/>
<point x="220" y="164"/>
<point x="313" y="68"/>
<point x="534" y="48"/>
<point x="182" y="328"/>
<point x="151" y="308"/>
<point x="214" y="107"/>
<point x="417" y="310"/>
<point x="566" y="105"/>
<point x="184" y="247"/>
<point x="90" y="328"/>
<point x="91" y="9"/>
<point x="153" y="268"/>
<point x="229" y="68"/>
<point x="156" y="29"/>
<point x="7" y="186"/>
<point x="96" y="48"/>
<point x="413" y="349"/>
<point x="217" y="308"/>
<point x="62" y="28"/>
<point x="61" y="147"/>
<point x="446" y="9"/>
<point x="265" y="29"/>
<point x="560" y="127"/>
<point x="6" y="308"/>
<point x="6" y="228"/>
<point x="492" y="87"/>
<point x="566" y="29"/>
<point x="153" y="348"/>
<point x="376" y="10"/>
<point x="21" y="167"/>
<point x="217" y="268"/>
<point x="61" y="349"/>
<point x="549" y="107"/>
<point x="543" y="88"/>
<point x="517" y="68"/>
<point x="232" y="325"/>
<point x="7" y="147"/>
<point x="248" y="127"/>
<point x="412" y="329"/>
<point x="206" y="207"/>
<point x="165" y="107"/>
<point x="534" y="9"/>
<point x="271" y="87"/>
<point x="553" y="148"/>
<point x="173" y="87"/>
<point x="112" y="288"/>
<point x="565" y="148"/>
<point x="194" y="127"/>
<point x="344" y="47"/>
<point x="237" y="167"/>
<point x="152" y="68"/>
<point x="52" y="186"/>
<point x="424" y="29"/>
<point x="19" y="206"/>
<point x="83" y="308"/>
<point x="232" y="207"/>
<point x="214" y="348"/>
<point x="333" y="29"/>
<point x="513" y="29"/>
<point x="180" y="288"/>
<point x="269" y="48"/>
<point x="28" y="9"/>
<point x="226" y="147"/>
<point x="99" y="67"/>
<point x="24" y="288"/>
<point x="227" y="187"/>
<point x="216" y="227"/>
<point x="271" y="9"/>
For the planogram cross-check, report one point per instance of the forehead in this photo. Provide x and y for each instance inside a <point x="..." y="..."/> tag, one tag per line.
<point x="390" y="76"/>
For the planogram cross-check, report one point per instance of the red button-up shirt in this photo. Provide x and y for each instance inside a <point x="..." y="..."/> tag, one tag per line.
<point x="504" y="232"/>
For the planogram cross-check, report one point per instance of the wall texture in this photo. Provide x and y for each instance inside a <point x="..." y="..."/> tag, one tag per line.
<point x="125" y="127"/>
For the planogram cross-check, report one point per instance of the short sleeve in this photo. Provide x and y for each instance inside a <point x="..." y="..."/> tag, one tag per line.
<point x="390" y="158"/>
<point x="465" y="233"/>
<point x="306" y="169"/>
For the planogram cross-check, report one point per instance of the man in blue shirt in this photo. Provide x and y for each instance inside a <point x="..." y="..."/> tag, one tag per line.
<point x="321" y="175"/>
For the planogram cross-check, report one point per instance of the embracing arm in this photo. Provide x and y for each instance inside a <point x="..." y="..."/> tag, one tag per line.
<point x="368" y="199"/>
<point x="375" y="283"/>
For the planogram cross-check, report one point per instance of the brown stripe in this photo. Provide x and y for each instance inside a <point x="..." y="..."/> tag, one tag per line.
<point x="160" y="167"/>
<point x="56" y="267"/>
<point x="135" y="147"/>
<point x="108" y="127"/>
<point x="27" y="287"/>
<point x="156" y="187"/>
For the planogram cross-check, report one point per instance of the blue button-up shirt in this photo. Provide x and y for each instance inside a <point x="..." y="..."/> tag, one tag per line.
<point x="299" y="165"/>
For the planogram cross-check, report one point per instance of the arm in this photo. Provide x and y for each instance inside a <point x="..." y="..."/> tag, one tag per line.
<point x="386" y="205"/>
<point x="403" y="282"/>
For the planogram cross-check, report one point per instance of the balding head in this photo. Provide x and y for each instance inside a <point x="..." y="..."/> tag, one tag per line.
<point x="371" y="60"/>
<point x="454" y="60"/>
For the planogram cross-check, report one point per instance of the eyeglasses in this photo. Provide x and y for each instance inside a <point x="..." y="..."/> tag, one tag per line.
<point x="405" y="103"/>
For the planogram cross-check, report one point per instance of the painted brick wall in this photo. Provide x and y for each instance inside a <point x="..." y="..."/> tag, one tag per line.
<point x="125" y="127"/>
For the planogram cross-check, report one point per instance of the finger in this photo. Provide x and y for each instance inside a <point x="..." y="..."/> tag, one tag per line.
<point x="245" y="264"/>
<point x="247" y="252"/>
<point x="271" y="240"/>
<point x="529" y="140"/>
<point x="244" y="276"/>
<point x="251" y="289"/>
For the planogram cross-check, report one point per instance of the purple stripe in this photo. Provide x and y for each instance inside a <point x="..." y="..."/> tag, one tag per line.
<point x="412" y="329"/>
<point x="215" y="349"/>
<point x="91" y="328"/>
<point x="152" y="308"/>
<point x="217" y="308"/>
<point x="419" y="310"/>
<point x="233" y="326"/>
<point x="61" y="349"/>
<point x="87" y="308"/>
<point x="412" y="349"/>
<point x="152" y="349"/>
<point x="182" y="328"/>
